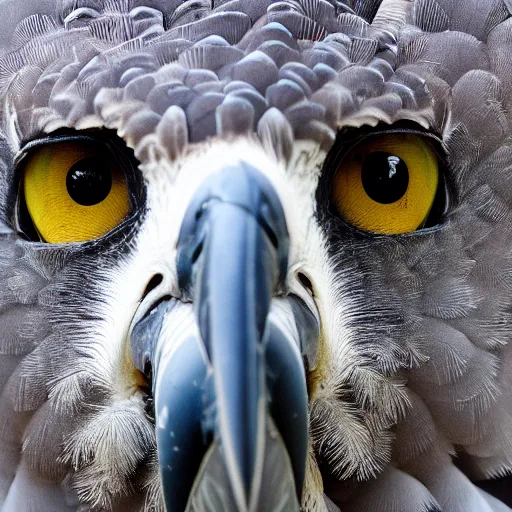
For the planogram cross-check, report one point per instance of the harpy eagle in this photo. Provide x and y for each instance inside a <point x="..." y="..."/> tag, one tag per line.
<point x="255" y="255"/>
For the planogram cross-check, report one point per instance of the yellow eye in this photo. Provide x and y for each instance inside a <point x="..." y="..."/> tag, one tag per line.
<point x="74" y="191"/>
<point x="387" y="184"/>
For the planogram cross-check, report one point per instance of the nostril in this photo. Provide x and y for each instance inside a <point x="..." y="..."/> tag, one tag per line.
<point x="153" y="283"/>
<point x="197" y="253"/>
<point x="306" y="282"/>
<point x="148" y="370"/>
<point x="272" y="237"/>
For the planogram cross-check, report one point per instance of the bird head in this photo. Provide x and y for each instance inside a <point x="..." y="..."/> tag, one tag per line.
<point x="237" y="266"/>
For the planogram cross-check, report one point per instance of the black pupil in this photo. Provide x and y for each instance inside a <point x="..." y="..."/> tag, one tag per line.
<point x="385" y="177"/>
<point x="89" y="181"/>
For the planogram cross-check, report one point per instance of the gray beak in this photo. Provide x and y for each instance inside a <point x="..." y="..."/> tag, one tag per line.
<point x="230" y="402"/>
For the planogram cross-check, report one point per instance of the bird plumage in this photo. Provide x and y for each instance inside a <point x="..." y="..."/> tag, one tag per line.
<point x="411" y="388"/>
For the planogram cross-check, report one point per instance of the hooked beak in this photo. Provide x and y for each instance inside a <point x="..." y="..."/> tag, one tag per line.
<point x="231" y="399"/>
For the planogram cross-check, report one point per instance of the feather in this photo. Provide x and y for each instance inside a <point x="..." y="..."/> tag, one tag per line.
<point x="172" y="132"/>
<point x="205" y="55"/>
<point x="15" y="16"/>
<point x="230" y="26"/>
<point x="31" y="28"/>
<point x="42" y="445"/>
<point x="392" y="15"/>
<point x="466" y="54"/>
<point x="276" y="134"/>
<point x="430" y="16"/>
<point x="256" y="69"/>
<point x="270" y="32"/>
<point x="140" y="124"/>
<point x="176" y="94"/>
<point x="284" y="94"/>
<point x="300" y="26"/>
<point x="394" y="491"/>
<point x="362" y="50"/>
<point x="474" y="18"/>
<point x="325" y="54"/>
<point x="279" y="52"/>
<point x="453" y="491"/>
<point x="243" y="90"/>
<point x="30" y="493"/>
<point x="235" y="115"/>
<point x="352" y="25"/>
<point x="201" y="114"/>
<point x="255" y="10"/>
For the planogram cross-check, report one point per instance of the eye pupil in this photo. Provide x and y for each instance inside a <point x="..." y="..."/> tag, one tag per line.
<point x="385" y="177"/>
<point x="88" y="181"/>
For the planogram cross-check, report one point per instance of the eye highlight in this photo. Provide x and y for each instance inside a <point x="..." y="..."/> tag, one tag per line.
<point x="387" y="184"/>
<point x="74" y="191"/>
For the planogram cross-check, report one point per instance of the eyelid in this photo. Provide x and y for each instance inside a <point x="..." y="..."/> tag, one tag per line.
<point x="34" y="144"/>
<point x="351" y="142"/>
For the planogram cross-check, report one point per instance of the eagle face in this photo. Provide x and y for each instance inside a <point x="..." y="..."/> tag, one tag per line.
<point x="255" y="255"/>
